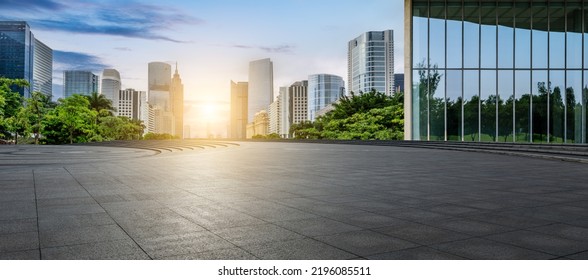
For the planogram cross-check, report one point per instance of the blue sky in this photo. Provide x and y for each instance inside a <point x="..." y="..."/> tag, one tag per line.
<point x="212" y="41"/>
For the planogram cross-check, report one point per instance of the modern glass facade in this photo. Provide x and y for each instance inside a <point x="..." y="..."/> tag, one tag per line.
<point x="370" y="62"/>
<point x="79" y="82"/>
<point x="323" y="89"/>
<point x="499" y="71"/>
<point x="16" y="53"/>
<point x="42" y="68"/>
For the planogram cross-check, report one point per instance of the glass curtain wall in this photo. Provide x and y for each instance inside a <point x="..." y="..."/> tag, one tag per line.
<point x="500" y="71"/>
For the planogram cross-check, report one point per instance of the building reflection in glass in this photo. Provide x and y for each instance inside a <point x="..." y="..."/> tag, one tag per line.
<point x="504" y="71"/>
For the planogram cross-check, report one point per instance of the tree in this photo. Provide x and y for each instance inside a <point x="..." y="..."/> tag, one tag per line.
<point x="37" y="107"/>
<point x="71" y="121"/>
<point x="98" y="102"/>
<point x="371" y="115"/>
<point x="10" y="103"/>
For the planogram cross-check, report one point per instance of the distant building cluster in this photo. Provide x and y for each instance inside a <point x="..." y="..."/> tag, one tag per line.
<point x="161" y="108"/>
<point x="24" y="57"/>
<point x="255" y="111"/>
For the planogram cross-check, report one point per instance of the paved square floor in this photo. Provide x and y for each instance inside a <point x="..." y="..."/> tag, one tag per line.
<point x="288" y="201"/>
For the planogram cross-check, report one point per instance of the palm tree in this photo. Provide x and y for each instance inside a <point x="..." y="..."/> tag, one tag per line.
<point x="100" y="102"/>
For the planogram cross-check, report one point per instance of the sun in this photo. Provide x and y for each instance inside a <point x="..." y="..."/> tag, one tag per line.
<point x="208" y="111"/>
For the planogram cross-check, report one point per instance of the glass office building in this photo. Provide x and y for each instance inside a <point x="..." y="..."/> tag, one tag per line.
<point x="504" y="71"/>
<point x="79" y="82"/>
<point x="323" y="90"/>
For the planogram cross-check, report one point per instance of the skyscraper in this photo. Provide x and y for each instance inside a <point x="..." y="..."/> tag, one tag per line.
<point x="370" y="62"/>
<point x="79" y="82"/>
<point x="42" y="68"/>
<point x="238" y="110"/>
<point x="24" y="57"/>
<point x="131" y="104"/>
<point x="261" y="86"/>
<point x="323" y="89"/>
<point x="284" y="122"/>
<point x="177" y="103"/>
<point x="159" y="78"/>
<point x="111" y="86"/>
<point x="298" y="102"/>
<point x="159" y="83"/>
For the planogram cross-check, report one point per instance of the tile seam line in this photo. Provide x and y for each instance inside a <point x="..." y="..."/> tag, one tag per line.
<point x="37" y="215"/>
<point x="109" y="215"/>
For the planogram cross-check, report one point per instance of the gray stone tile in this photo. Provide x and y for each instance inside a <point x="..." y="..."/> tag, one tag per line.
<point x="55" y="223"/>
<point x="160" y="228"/>
<point x="419" y="253"/>
<point x="367" y="220"/>
<point x="564" y="231"/>
<point x="421" y="234"/>
<point x="256" y="234"/>
<point x="223" y="254"/>
<point x="20" y="255"/>
<point x="298" y="249"/>
<point x="549" y="244"/>
<point x="365" y="243"/>
<point x="13" y="210"/>
<point x="19" y="241"/>
<point x="579" y="256"/>
<point x="214" y="218"/>
<point x="124" y="249"/>
<point x="73" y="236"/>
<point x="483" y="249"/>
<point x="418" y="215"/>
<point x="510" y="219"/>
<point x="472" y="227"/>
<point x="15" y="226"/>
<point x="68" y="210"/>
<point x="183" y="244"/>
<point x="317" y="226"/>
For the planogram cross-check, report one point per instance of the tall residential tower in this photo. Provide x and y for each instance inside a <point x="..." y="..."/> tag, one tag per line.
<point x="261" y="86"/>
<point x="238" y="110"/>
<point x="111" y="85"/>
<point x="24" y="57"/>
<point x="79" y="82"/>
<point x="370" y="62"/>
<point x="323" y="90"/>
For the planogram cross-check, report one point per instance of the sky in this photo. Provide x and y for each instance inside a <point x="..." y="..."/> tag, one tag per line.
<point x="212" y="41"/>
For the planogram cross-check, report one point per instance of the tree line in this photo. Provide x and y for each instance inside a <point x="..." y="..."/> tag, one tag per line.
<point x="74" y="119"/>
<point x="366" y="116"/>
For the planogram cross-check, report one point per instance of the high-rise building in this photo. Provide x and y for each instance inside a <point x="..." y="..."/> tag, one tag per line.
<point x="399" y="82"/>
<point x="177" y="104"/>
<point x="42" y="68"/>
<point x="131" y="103"/>
<point x="261" y="86"/>
<point x="323" y="89"/>
<point x="284" y="122"/>
<point x="111" y="86"/>
<point x="159" y="83"/>
<point x="496" y="71"/>
<point x="24" y="57"/>
<point x="274" y="117"/>
<point x="238" y="122"/>
<point x="298" y="102"/>
<point x="79" y="82"/>
<point x="370" y="62"/>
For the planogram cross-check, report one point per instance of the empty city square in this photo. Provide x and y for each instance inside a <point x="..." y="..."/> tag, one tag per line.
<point x="249" y="200"/>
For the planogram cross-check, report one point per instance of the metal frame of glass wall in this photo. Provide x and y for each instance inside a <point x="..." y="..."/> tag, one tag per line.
<point x="503" y="71"/>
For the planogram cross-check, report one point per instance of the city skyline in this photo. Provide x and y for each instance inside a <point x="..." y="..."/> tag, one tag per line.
<point x="126" y="35"/>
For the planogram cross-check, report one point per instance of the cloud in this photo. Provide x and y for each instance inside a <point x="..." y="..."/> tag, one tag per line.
<point x="123" y="49"/>
<point x="65" y="60"/>
<point x="31" y="4"/>
<point x="115" y="18"/>
<point x="275" y="49"/>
